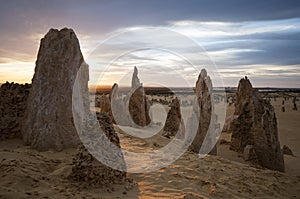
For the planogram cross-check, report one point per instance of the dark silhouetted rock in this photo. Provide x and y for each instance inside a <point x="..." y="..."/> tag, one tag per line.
<point x="256" y="125"/>
<point x="174" y="123"/>
<point x="13" y="98"/>
<point x="48" y="122"/>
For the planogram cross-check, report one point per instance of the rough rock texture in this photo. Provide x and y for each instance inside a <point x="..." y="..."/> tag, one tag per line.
<point x="203" y="113"/>
<point x="138" y="104"/>
<point x="256" y="125"/>
<point x="89" y="171"/>
<point x="174" y="123"/>
<point x="13" y="98"/>
<point x="48" y="122"/>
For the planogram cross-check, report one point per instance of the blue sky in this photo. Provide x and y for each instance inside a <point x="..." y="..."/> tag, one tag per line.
<point x="259" y="39"/>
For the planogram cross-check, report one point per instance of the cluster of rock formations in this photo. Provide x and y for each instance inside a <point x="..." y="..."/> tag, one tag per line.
<point x="131" y="110"/>
<point x="203" y="119"/>
<point x="254" y="131"/>
<point x="44" y="117"/>
<point x="174" y="124"/>
<point x="13" y="99"/>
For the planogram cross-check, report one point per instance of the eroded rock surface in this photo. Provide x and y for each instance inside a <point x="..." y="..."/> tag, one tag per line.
<point x="256" y="125"/>
<point x="48" y="122"/>
<point x="203" y="120"/>
<point x="138" y="104"/>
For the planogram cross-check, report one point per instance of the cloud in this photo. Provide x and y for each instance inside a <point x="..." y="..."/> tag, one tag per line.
<point x="234" y="34"/>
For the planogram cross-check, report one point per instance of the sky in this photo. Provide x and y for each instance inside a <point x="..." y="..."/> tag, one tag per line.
<point x="169" y="41"/>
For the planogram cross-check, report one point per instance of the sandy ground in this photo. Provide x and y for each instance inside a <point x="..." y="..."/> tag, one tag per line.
<point x="26" y="173"/>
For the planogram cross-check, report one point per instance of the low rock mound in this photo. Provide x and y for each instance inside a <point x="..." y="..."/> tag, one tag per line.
<point x="88" y="170"/>
<point x="13" y="99"/>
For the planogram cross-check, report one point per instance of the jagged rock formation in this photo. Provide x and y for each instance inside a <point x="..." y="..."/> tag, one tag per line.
<point x="89" y="171"/>
<point x="48" y="122"/>
<point x="256" y="126"/>
<point x="138" y="104"/>
<point x="203" y="114"/>
<point x="174" y="123"/>
<point x="13" y="98"/>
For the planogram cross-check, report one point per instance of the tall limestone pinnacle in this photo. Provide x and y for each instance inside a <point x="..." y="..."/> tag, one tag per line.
<point x="254" y="131"/>
<point x="135" y="81"/>
<point x="138" y="104"/>
<point x="203" y="114"/>
<point x="48" y="121"/>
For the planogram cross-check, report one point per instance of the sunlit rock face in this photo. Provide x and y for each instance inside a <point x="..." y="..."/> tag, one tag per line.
<point x="13" y="98"/>
<point x="138" y="104"/>
<point x="203" y="119"/>
<point x="256" y="127"/>
<point x="48" y="122"/>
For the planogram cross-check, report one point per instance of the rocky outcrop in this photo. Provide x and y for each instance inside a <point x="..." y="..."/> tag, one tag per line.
<point x="13" y="98"/>
<point x="48" y="122"/>
<point x="256" y="125"/>
<point x="138" y="104"/>
<point x="88" y="171"/>
<point x="203" y="119"/>
<point x="174" y="124"/>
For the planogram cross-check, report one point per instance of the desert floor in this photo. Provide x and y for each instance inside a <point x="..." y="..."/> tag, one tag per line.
<point x="26" y="173"/>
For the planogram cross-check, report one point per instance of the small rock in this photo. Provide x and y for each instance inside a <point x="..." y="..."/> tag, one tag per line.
<point x="287" y="151"/>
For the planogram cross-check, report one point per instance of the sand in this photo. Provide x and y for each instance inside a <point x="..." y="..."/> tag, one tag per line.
<point x="26" y="173"/>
